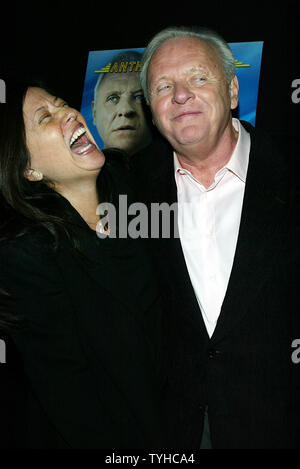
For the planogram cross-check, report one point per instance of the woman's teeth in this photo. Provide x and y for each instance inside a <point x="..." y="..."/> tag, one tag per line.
<point x="77" y="134"/>
<point x="80" y="143"/>
<point x="87" y="147"/>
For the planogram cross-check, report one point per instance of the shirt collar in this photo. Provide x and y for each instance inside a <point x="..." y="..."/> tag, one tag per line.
<point x="238" y="163"/>
<point x="239" y="160"/>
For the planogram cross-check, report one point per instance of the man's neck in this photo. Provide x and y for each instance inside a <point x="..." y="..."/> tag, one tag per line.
<point x="205" y="160"/>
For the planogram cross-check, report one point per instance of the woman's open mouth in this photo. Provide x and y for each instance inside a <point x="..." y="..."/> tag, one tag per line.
<point x="80" y="143"/>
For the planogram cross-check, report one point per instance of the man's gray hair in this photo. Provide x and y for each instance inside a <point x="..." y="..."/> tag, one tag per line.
<point x="220" y="46"/>
<point x="123" y="56"/>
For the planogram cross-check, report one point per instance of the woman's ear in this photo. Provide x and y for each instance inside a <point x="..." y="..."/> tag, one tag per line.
<point x="33" y="175"/>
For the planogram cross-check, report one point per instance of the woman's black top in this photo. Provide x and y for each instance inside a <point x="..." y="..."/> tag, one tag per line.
<point x="91" y="338"/>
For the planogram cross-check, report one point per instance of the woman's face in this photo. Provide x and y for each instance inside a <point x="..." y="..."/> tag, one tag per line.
<point x="60" y="145"/>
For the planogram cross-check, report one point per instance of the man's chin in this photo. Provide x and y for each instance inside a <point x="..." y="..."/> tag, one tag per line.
<point x="129" y="146"/>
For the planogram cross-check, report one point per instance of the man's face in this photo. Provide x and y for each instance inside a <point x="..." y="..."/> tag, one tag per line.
<point x="189" y="96"/>
<point x="118" y="112"/>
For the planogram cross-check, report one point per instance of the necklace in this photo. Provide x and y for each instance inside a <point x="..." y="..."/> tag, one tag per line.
<point x="102" y="228"/>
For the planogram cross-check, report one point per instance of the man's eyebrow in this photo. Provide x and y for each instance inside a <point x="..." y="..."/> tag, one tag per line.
<point x="157" y="81"/>
<point x="194" y="68"/>
<point x="163" y="77"/>
<point x="198" y="68"/>
<point x="113" y="91"/>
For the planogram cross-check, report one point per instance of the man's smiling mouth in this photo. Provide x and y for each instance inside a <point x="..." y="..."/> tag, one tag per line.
<point x="186" y="114"/>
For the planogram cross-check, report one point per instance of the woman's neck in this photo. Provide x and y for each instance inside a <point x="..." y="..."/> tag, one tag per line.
<point x="84" y="199"/>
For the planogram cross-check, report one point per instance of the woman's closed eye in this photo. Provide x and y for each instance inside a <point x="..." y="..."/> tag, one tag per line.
<point x="44" y="116"/>
<point x="47" y="114"/>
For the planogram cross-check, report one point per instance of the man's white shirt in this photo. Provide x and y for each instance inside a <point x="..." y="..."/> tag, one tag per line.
<point x="208" y="225"/>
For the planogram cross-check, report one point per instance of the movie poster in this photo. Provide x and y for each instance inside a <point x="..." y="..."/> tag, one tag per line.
<point x="113" y="74"/>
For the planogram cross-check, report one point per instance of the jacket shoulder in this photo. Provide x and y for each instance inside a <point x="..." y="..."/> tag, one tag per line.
<point x="280" y="148"/>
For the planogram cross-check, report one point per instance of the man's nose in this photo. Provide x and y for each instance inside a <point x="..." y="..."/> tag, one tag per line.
<point x="182" y="93"/>
<point x="129" y="113"/>
<point x="126" y="109"/>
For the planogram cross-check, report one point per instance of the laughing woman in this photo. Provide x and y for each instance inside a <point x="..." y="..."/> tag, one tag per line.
<point x="86" y="311"/>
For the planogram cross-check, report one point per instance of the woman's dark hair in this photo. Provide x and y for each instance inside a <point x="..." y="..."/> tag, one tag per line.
<point x="25" y="204"/>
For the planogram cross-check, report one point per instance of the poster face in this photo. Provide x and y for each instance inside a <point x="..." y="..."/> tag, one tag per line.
<point x="112" y="77"/>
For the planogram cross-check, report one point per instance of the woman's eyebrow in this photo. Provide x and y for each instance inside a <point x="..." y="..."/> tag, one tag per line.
<point x="42" y="108"/>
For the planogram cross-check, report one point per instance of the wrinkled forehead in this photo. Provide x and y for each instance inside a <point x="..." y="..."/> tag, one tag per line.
<point x="122" y="80"/>
<point x="181" y="52"/>
<point x="36" y="96"/>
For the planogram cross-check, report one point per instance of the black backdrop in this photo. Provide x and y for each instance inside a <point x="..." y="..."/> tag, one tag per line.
<point x="52" y="40"/>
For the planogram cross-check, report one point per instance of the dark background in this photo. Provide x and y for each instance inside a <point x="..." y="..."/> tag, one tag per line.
<point x="51" y="41"/>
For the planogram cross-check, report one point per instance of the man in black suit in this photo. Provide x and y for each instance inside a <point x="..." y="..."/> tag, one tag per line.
<point x="230" y="280"/>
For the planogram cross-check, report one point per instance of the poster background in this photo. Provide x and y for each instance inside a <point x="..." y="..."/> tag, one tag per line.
<point x="246" y="53"/>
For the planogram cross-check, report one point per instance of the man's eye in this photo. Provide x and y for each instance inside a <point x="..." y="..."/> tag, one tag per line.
<point x="163" y="88"/>
<point x="139" y="97"/>
<point x="113" y="99"/>
<point x="199" y="79"/>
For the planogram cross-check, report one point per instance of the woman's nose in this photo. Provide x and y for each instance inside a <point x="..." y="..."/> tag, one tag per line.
<point x="70" y="115"/>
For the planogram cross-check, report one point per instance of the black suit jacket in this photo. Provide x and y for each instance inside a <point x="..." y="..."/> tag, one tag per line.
<point x="244" y="373"/>
<point x="90" y="345"/>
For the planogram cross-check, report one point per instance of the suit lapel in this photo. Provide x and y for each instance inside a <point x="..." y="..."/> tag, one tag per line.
<point x="169" y="251"/>
<point x="262" y="219"/>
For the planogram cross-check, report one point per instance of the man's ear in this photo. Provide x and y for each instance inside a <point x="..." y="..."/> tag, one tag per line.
<point x="234" y="92"/>
<point x="33" y="175"/>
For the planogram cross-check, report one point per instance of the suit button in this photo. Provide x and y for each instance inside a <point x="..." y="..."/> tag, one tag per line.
<point x="212" y="353"/>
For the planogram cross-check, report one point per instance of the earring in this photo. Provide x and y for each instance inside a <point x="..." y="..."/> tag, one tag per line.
<point x="33" y="175"/>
